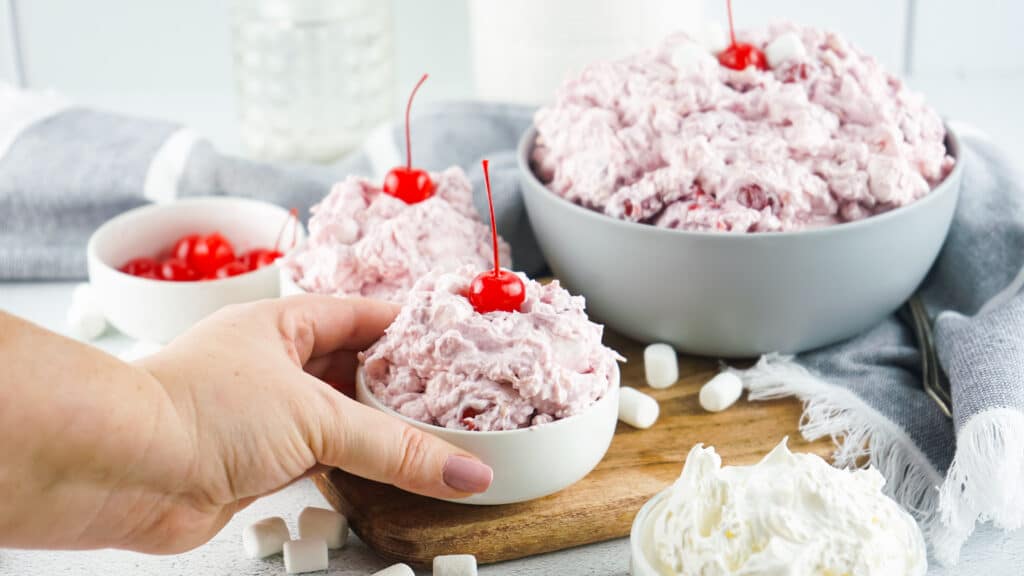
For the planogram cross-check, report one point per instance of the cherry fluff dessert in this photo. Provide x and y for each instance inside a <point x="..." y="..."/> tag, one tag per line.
<point x="443" y="363"/>
<point x="781" y="129"/>
<point x="372" y="240"/>
<point x="490" y="351"/>
<point x="365" y="242"/>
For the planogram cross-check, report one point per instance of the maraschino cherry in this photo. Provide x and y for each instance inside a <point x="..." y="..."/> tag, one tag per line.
<point x="740" y="56"/>
<point x="411" y="185"/>
<point x="498" y="289"/>
<point x="210" y="257"/>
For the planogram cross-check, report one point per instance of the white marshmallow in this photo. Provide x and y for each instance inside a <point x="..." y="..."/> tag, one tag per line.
<point x="637" y="409"/>
<point x="323" y="524"/>
<point x="714" y="38"/>
<point x="84" y="295"/>
<point x="688" y="57"/>
<point x="721" y="392"/>
<point x="455" y="565"/>
<point x="305" y="556"/>
<point x="265" y="537"/>
<point x="85" y="322"/>
<point x="784" y="48"/>
<point x="661" y="366"/>
<point x="396" y="570"/>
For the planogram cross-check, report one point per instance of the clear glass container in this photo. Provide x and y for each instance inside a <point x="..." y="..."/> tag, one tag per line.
<point x="312" y="77"/>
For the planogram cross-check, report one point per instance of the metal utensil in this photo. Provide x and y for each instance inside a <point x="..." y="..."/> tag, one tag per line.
<point x="934" y="379"/>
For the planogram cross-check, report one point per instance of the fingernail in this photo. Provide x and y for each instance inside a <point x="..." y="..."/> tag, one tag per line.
<point x="467" y="475"/>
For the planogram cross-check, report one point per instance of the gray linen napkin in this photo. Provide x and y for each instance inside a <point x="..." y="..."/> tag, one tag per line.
<point x="64" y="176"/>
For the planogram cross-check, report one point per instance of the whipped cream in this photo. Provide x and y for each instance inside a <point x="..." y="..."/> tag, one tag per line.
<point x="669" y="137"/>
<point x="788" y="515"/>
<point x="443" y="363"/>
<point x="363" y="242"/>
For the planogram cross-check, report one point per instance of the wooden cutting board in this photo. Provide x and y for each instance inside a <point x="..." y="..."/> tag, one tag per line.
<point x="410" y="528"/>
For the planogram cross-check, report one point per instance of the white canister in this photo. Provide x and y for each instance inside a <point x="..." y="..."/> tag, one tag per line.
<point x="523" y="50"/>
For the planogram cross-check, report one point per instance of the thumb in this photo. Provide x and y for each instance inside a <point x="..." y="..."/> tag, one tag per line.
<point x="374" y="445"/>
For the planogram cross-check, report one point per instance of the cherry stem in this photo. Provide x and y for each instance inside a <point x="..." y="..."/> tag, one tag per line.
<point x="494" y="226"/>
<point x="293" y="214"/>
<point x="408" y="108"/>
<point x="732" y="31"/>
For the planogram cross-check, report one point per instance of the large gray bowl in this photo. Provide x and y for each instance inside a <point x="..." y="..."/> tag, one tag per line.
<point x="740" y="295"/>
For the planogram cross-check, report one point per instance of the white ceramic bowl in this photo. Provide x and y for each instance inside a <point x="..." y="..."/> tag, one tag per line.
<point x="740" y="295"/>
<point x="640" y="539"/>
<point x="287" y="283"/>
<point x="155" y="310"/>
<point x="528" y="463"/>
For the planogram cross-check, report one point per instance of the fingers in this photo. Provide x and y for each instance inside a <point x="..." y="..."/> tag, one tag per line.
<point x="369" y="443"/>
<point x="319" y="325"/>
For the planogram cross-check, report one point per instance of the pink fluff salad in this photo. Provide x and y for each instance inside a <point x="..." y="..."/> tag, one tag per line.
<point x="443" y="363"/>
<point x="824" y="138"/>
<point x="363" y="242"/>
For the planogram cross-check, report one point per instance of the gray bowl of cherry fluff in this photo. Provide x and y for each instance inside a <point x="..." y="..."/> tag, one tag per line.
<point x="739" y="212"/>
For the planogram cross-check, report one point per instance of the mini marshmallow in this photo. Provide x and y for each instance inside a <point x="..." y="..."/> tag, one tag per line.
<point x="85" y="322"/>
<point x="265" y="537"/>
<point x="455" y="565"/>
<point x="637" y="409"/>
<point x="784" y="48"/>
<point x="661" y="366"/>
<point x="721" y="392"/>
<point x="323" y="524"/>
<point x="688" y="57"/>
<point x="305" y="555"/>
<point x="84" y="295"/>
<point x="85" y="318"/>
<point x="396" y="570"/>
<point x="714" y="38"/>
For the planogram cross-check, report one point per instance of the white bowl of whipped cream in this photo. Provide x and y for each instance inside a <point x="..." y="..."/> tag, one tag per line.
<point x="788" y="514"/>
<point x="533" y="393"/>
<point x="528" y="463"/>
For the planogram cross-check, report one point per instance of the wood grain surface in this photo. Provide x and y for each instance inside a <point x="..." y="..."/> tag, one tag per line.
<point x="639" y="463"/>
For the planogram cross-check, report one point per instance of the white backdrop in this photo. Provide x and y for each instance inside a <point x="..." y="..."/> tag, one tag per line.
<point x="172" y="58"/>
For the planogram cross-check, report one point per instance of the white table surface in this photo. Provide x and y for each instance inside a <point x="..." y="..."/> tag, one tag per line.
<point x="989" y="553"/>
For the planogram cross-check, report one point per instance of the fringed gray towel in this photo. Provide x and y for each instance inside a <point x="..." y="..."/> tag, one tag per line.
<point x="867" y="392"/>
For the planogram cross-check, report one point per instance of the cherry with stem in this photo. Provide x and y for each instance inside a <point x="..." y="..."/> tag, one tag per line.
<point x="740" y="56"/>
<point x="411" y="185"/>
<point x="498" y="289"/>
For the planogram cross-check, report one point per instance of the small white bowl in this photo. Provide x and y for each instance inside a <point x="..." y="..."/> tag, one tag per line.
<point x="641" y="539"/>
<point x="156" y="310"/>
<point x="288" y="285"/>
<point x="528" y="463"/>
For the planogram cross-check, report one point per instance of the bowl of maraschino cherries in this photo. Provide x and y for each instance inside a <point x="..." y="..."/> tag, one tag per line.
<point x="159" y="269"/>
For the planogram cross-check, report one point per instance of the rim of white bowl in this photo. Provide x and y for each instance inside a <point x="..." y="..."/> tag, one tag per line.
<point x="377" y="404"/>
<point x="636" y="544"/>
<point x="134" y="212"/>
<point x="953" y="148"/>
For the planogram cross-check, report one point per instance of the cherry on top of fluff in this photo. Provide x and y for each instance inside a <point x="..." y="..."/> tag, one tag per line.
<point x="740" y="55"/>
<point x="498" y="289"/>
<point x="408" y="184"/>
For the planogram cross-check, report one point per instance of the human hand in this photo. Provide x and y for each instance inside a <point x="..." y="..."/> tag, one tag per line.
<point x="248" y="390"/>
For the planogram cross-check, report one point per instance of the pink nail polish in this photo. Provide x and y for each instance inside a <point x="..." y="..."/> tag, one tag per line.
<point x="467" y="475"/>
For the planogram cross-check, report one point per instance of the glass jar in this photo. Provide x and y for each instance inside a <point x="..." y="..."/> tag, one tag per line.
<point x="312" y="77"/>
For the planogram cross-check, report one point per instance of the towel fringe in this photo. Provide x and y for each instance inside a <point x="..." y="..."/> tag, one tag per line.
<point x="860" y="433"/>
<point x="985" y="478"/>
